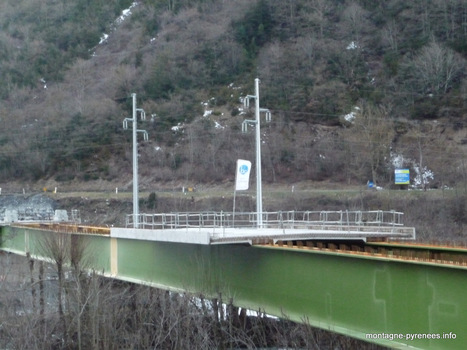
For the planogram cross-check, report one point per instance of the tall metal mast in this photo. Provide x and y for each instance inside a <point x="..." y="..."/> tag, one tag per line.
<point x="257" y="123"/>
<point x="135" y="156"/>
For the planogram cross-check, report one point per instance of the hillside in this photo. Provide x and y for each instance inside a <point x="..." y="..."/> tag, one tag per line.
<point x="356" y="89"/>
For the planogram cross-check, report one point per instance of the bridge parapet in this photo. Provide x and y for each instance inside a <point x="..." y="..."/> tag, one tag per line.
<point x="278" y="219"/>
<point x="232" y="228"/>
<point x="8" y="216"/>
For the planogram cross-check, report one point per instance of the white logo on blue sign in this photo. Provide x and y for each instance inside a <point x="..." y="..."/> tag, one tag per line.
<point x="243" y="169"/>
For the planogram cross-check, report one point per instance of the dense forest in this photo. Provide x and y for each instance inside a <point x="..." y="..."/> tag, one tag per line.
<point x="356" y="89"/>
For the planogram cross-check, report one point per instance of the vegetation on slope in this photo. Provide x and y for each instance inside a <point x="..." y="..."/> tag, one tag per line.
<point x="66" y="91"/>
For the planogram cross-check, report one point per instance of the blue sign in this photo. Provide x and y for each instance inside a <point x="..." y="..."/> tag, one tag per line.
<point x="243" y="169"/>
<point x="402" y="176"/>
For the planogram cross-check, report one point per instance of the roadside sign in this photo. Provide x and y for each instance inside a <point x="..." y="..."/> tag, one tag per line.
<point x="402" y="176"/>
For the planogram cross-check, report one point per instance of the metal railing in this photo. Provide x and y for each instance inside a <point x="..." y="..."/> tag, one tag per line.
<point x="26" y="214"/>
<point x="38" y="215"/>
<point x="279" y="219"/>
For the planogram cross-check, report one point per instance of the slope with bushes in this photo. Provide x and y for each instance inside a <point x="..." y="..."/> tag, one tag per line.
<point x="396" y="67"/>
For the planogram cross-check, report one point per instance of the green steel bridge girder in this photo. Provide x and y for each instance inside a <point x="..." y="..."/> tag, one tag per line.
<point x="373" y="299"/>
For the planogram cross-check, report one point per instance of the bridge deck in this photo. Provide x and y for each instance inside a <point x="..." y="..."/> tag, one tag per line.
<point x="210" y="228"/>
<point x="228" y="228"/>
<point x="350" y="287"/>
<point x="228" y="235"/>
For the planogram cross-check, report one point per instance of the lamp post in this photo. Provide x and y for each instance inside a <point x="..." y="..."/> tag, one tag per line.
<point x="135" y="155"/>
<point x="257" y="123"/>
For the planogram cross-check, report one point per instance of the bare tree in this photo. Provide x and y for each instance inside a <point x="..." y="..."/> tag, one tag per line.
<point x="318" y="14"/>
<point x="57" y="247"/>
<point x="370" y="139"/>
<point x="355" y="18"/>
<point x="391" y="35"/>
<point x="436" y="69"/>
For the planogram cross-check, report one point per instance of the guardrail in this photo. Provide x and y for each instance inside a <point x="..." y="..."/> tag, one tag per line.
<point x="34" y="215"/>
<point x="278" y="219"/>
